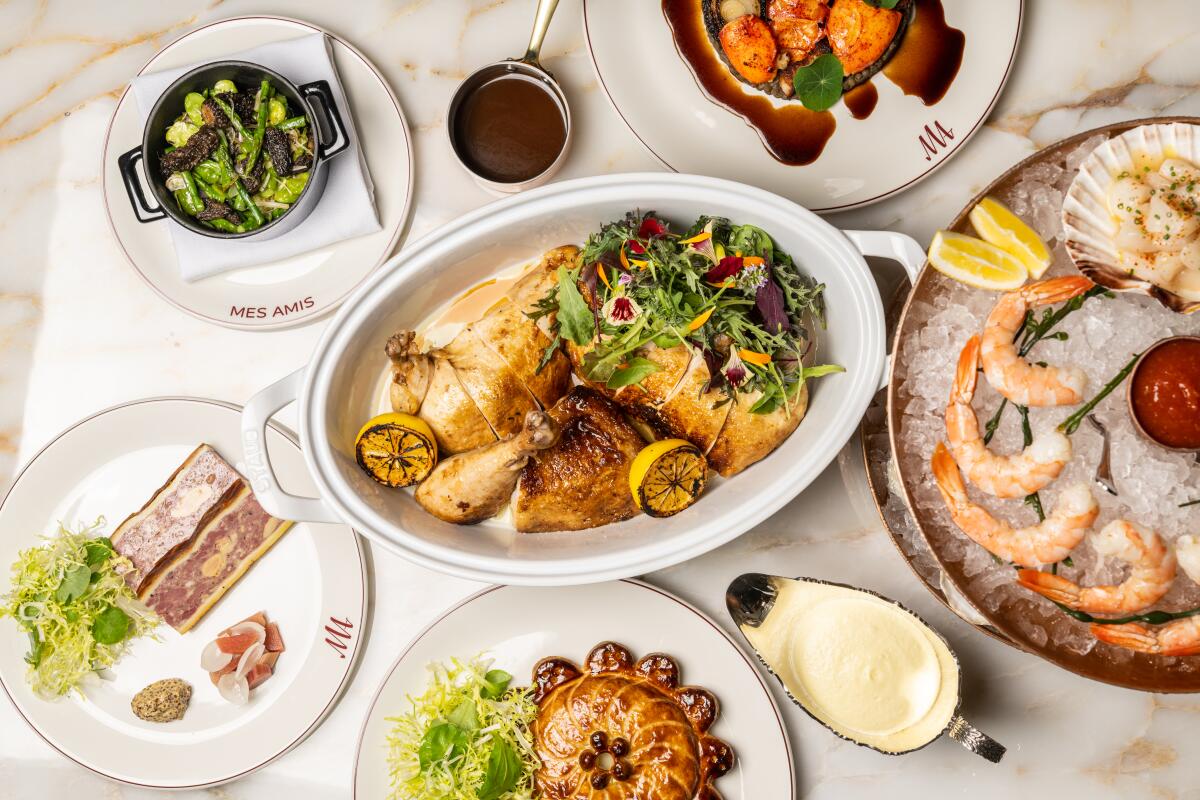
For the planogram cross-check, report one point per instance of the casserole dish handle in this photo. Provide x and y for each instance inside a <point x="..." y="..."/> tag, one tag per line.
<point x="896" y="247"/>
<point x="278" y="503"/>
<point x="142" y="210"/>
<point x="323" y="94"/>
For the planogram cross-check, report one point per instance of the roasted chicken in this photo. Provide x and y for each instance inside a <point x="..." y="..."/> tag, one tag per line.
<point x="472" y="486"/>
<point x="582" y="480"/>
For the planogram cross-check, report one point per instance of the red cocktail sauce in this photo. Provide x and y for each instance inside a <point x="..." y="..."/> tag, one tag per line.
<point x="1165" y="395"/>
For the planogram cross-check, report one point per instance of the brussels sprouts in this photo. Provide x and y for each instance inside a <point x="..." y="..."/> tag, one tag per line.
<point x="180" y="131"/>
<point x="289" y="189"/>
<point x="191" y="105"/>
<point x="220" y="87"/>
<point x="276" y="110"/>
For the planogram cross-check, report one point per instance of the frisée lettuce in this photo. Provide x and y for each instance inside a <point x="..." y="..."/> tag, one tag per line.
<point x="466" y="738"/>
<point x="70" y="599"/>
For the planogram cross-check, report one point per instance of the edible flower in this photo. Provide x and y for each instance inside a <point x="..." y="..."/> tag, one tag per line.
<point x="727" y="267"/>
<point x="699" y="237"/>
<point x="768" y="301"/>
<point x="600" y="271"/>
<point x="700" y="319"/>
<point x="624" y="258"/>
<point x="651" y="227"/>
<point x="754" y="357"/>
<point x="734" y="371"/>
<point x="621" y="310"/>
<point x="751" y="278"/>
<point x="624" y="279"/>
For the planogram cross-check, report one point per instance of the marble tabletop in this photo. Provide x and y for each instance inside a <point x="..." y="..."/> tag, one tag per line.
<point x="79" y="331"/>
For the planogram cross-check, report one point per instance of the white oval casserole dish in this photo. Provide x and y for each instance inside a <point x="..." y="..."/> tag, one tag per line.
<point x="340" y="387"/>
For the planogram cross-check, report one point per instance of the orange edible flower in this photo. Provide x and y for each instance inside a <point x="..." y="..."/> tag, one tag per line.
<point x="700" y="319"/>
<point x="699" y="237"/>
<point x="754" y="357"/>
<point x="752" y="261"/>
<point x="600" y="270"/>
<point x="624" y="259"/>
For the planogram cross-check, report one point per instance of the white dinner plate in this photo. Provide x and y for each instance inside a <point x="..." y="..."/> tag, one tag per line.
<point x="301" y="288"/>
<point x="313" y="581"/>
<point x="518" y="626"/>
<point x="865" y="161"/>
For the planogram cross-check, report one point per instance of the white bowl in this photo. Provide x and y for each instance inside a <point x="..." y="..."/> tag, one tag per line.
<point x="341" y="386"/>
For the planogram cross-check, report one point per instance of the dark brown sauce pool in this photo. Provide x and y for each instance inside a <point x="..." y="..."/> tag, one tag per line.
<point x="924" y="65"/>
<point x="509" y="130"/>
<point x="928" y="58"/>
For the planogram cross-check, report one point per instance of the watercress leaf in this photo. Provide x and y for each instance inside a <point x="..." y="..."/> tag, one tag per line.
<point x="821" y="369"/>
<point x="819" y="84"/>
<point x="633" y="372"/>
<point x="495" y="683"/>
<point x="575" y="319"/>
<point x="73" y="584"/>
<point x="110" y="625"/>
<point x="465" y="716"/>
<point x="441" y="742"/>
<point x="503" y="771"/>
<point x="97" y="551"/>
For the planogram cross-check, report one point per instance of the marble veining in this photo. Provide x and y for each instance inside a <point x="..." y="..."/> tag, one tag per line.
<point x="79" y="331"/>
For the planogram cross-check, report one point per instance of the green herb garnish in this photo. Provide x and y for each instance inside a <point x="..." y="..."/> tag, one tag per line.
<point x="819" y="84"/>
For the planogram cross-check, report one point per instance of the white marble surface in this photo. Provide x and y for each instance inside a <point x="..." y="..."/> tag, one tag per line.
<point x="79" y="331"/>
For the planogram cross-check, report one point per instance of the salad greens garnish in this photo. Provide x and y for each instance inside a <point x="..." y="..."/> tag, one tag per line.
<point x="465" y="738"/>
<point x="724" y="291"/>
<point x="70" y="598"/>
<point x="819" y="84"/>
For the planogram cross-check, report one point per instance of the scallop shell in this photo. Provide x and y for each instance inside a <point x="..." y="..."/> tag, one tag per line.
<point x="1088" y="227"/>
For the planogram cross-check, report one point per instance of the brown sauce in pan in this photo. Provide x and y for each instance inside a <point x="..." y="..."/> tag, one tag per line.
<point x="929" y="56"/>
<point x="509" y="130"/>
<point x="924" y="65"/>
<point x="861" y="100"/>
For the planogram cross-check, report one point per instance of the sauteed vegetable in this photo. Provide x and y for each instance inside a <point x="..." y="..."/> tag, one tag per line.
<point x="238" y="158"/>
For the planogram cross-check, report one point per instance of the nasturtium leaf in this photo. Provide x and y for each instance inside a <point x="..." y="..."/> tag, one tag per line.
<point x="819" y="84"/>
<point x="889" y="4"/>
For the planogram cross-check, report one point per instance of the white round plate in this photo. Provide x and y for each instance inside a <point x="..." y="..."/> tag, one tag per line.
<point x="518" y="626"/>
<point x="313" y="580"/>
<point x="301" y="288"/>
<point x="865" y="161"/>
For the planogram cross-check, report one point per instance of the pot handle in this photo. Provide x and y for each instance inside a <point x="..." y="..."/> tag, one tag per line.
<point x="897" y="247"/>
<point x="142" y="210"/>
<point x="278" y="503"/>
<point x="320" y="91"/>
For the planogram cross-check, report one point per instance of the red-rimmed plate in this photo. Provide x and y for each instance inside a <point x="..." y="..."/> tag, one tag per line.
<point x="518" y="626"/>
<point x="312" y="583"/>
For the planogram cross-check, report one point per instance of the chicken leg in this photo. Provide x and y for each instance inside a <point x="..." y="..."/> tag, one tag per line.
<point x="472" y="486"/>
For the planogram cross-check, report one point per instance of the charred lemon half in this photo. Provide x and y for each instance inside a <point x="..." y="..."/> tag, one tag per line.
<point x="667" y="476"/>
<point x="396" y="449"/>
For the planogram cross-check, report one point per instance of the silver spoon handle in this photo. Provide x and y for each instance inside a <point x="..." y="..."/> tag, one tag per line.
<point x="541" y="23"/>
<point x="975" y="740"/>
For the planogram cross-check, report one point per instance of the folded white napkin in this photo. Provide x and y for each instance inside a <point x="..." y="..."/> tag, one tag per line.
<point x="347" y="206"/>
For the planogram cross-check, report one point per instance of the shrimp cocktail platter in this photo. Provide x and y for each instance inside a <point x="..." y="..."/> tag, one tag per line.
<point x="1044" y="401"/>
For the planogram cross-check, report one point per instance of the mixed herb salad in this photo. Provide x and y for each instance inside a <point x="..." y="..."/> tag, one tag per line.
<point x="722" y="289"/>
<point x="237" y="159"/>
<point x="466" y="738"/>
<point x="70" y="597"/>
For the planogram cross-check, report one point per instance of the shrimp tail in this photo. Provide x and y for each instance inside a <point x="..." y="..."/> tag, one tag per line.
<point x="1050" y="586"/>
<point x="1057" y="290"/>
<point x="949" y="479"/>
<point x="1131" y="636"/>
<point x="968" y="372"/>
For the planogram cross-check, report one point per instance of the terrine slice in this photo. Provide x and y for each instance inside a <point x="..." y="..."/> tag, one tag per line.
<point x="187" y="588"/>
<point x="198" y="489"/>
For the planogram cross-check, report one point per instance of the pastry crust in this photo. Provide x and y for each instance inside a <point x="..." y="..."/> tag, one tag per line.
<point x="613" y="728"/>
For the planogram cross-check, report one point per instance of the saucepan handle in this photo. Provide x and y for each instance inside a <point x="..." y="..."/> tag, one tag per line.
<point x="323" y="94"/>
<point x="897" y="247"/>
<point x="270" y="495"/>
<point x="142" y="210"/>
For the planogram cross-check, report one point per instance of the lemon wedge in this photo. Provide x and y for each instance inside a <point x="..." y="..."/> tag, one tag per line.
<point x="396" y="449"/>
<point x="975" y="262"/>
<point x="996" y="224"/>
<point x="667" y="476"/>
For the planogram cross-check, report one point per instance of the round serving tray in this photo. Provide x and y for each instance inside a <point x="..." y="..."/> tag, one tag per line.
<point x="922" y="540"/>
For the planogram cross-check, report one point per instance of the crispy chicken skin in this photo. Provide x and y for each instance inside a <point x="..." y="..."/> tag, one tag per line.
<point x="496" y="390"/>
<point x="583" y="480"/>
<point x="746" y="438"/>
<point x="520" y="344"/>
<point x="750" y="48"/>
<point x="472" y="486"/>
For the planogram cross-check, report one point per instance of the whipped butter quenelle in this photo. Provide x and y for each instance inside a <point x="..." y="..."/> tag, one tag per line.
<point x="864" y="666"/>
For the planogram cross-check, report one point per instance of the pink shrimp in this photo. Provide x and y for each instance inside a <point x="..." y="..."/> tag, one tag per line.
<point x="1180" y="637"/>
<point x="1011" y="375"/>
<point x="1153" y="572"/>
<point x="1048" y="542"/>
<point x="1015" y="475"/>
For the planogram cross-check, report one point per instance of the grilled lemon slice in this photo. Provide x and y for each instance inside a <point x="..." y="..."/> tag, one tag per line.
<point x="396" y="449"/>
<point x="975" y="262"/>
<point x="999" y="226"/>
<point x="667" y="476"/>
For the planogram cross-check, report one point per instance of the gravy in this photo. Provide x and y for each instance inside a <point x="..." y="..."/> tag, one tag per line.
<point x="509" y="130"/>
